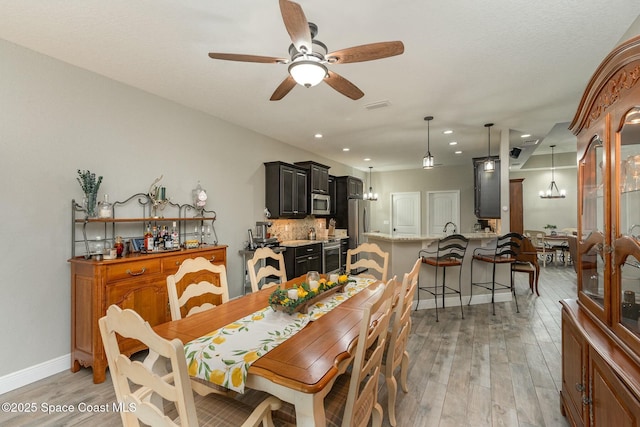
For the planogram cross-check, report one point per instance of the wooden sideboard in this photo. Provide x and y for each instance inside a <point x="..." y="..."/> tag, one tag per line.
<point x="137" y="282"/>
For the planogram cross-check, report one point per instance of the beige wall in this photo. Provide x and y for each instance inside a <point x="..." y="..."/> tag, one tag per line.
<point x="56" y="119"/>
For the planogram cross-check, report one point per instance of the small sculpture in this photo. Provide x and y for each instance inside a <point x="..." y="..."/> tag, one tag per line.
<point x="157" y="196"/>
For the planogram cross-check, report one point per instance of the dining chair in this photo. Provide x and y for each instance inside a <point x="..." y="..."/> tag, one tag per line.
<point x="505" y="252"/>
<point x="261" y="268"/>
<point x="353" y="398"/>
<point x="370" y="257"/>
<point x="573" y="250"/>
<point x="195" y="279"/>
<point x="527" y="262"/>
<point x="170" y="381"/>
<point x="538" y="240"/>
<point x="450" y="252"/>
<point x="396" y="354"/>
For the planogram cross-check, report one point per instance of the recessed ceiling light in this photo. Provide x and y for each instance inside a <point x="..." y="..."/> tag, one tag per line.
<point x="367" y="159"/>
<point x="458" y="152"/>
<point x="317" y="135"/>
<point x="453" y="143"/>
<point x="345" y="149"/>
<point x="526" y="135"/>
<point x="448" y="132"/>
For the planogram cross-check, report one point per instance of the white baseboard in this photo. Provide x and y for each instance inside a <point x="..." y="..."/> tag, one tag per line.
<point x="454" y="301"/>
<point x="34" y="373"/>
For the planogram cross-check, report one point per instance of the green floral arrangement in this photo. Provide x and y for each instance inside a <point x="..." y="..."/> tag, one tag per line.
<point x="90" y="185"/>
<point x="280" y="300"/>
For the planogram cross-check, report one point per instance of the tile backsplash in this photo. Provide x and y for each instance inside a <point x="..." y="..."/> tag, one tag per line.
<point x="297" y="229"/>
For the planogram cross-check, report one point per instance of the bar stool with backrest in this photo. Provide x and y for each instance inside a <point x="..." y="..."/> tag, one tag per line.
<point x="264" y="270"/>
<point x="504" y="253"/>
<point x="146" y="385"/>
<point x="369" y="256"/>
<point x="450" y="252"/>
<point x="396" y="354"/>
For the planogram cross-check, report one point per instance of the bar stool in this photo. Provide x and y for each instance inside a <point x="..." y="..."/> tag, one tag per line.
<point x="450" y="253"/>
<point x="505" y="252"/>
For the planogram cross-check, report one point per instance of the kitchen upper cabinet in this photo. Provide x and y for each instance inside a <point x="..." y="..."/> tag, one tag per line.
<point x="318" y="176"/>
<point x="349" y="187"/>
<point x="486" y="186"/>
<point x="286" y="190"/>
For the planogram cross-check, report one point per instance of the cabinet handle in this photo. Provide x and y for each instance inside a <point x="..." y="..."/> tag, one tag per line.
<point x="579" y="387"/>
<point x="586" y="401"/>
<point x="131" y="273"/>
<point x="212" y="258"/>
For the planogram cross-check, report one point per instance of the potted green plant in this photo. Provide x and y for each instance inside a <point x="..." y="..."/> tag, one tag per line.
<point x="551" y="228"/>
<point x="90" y="185"/>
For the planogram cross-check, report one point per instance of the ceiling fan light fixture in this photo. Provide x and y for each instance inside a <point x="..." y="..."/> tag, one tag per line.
<point x="307" y="73"/>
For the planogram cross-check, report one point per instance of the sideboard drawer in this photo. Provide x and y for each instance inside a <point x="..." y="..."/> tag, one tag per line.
<point x="133" y="269"/>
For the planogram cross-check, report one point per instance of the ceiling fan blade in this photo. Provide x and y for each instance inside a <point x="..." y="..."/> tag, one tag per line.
<point x="343" y="86"/>
<point x="296" y="24"/>
<point x="248" y="58"/>
<point x="284" y="88"/>
<point x="366" y="52"/>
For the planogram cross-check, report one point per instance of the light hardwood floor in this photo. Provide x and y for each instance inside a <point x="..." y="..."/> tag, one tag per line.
<point x="483" y="370"/>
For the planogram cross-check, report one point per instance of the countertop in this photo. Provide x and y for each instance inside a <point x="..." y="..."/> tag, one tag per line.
<point x="422" y="238"/>
<point x="297" y="243"/>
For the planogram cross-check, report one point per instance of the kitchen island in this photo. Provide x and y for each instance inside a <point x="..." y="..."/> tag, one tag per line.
<point x="403" y="251"/>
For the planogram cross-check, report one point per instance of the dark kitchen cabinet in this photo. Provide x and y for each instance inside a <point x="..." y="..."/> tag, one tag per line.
<point x="486" y="186"/>
<point x="318" y="176"/>
<point x="332" y="195"/>
<point x="349" y="187"/>
<point x="344" y="247"/>
<point x="301" y="259"/>
<point x="286" y="190"/>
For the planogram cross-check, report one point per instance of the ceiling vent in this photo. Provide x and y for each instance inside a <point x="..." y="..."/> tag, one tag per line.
<point x="378" y="104"/>
<point x="530" y="142"/>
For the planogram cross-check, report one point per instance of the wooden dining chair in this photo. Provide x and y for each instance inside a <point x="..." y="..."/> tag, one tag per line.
<point x="170" y="382"/>
<point x="194" y="287"/>
<point x="544" y="251"/>
<point x="261" y="267"/>
<point x="368" y="256"/>
<point x="353" y="398"/>
<point x="396" y="354"/>
<point x="527" y="262"/>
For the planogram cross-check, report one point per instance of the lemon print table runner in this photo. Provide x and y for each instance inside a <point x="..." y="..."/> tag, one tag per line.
<point x="224" y="356"/>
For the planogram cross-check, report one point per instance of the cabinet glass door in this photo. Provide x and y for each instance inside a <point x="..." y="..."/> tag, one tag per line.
<point x="592" y="260"/>
<point x="627" y="229"/>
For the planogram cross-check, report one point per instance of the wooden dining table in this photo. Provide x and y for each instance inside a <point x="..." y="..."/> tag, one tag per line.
<point x="302" y="369"/>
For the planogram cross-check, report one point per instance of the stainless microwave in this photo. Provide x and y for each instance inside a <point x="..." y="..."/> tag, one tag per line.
<point x="320" y="204"/>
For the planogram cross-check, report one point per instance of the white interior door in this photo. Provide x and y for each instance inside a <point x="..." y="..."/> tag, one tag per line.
<point x="405" y="213"/>
<point x="442" y="207"/>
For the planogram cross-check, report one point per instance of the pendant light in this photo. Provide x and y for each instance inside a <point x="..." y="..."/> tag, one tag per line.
<point x="427" y="161"/>
<point x="370" y="195"/>
<point x="553" y="192"/>
<point x="489" y="164"/>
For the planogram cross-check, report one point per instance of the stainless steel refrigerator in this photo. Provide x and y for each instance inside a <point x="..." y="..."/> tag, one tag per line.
<point x="358" y="221"/>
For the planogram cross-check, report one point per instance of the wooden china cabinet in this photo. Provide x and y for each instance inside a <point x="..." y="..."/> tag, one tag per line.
<point x="601" y="329"/>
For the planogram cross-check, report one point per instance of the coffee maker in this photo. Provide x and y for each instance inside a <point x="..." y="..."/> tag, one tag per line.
<point x="262" y="237"/>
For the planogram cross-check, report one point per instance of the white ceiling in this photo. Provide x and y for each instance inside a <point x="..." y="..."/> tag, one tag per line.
<point x="519" y="64"/>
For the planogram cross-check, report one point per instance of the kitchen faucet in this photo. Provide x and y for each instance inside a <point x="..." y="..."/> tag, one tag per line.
<point x="455" y="227"/>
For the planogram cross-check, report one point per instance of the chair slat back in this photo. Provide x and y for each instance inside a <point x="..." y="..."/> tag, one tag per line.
<point x="173" y="386"/>
<point x="363" y="388"/>
<point x="197" y="295"/>
<point x="376" y="259"/>
<point x="453" y="246"/>
<point x="258" y="272"/>
<point x="508" y="245"/>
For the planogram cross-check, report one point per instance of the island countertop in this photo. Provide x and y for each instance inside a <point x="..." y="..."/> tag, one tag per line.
<point x="423" y="238"/>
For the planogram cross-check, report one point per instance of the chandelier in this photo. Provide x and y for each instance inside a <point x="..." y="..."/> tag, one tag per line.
<point x="553" y="192"/>
<point x="489" y="163"/>
<point x="370" y="195"/>
<point x="427" y="160"/>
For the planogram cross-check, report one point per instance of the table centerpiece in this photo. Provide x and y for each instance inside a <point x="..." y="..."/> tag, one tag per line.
<point x="302" y="296"/>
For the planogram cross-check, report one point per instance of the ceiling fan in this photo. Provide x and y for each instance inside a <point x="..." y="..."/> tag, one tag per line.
<point x="308" y="56"/>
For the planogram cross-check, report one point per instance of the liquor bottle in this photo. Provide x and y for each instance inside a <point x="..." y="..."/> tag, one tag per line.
<point x="148" y="239"/>
<point x="155" y="237"/>
<point x="175" y="239"/>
